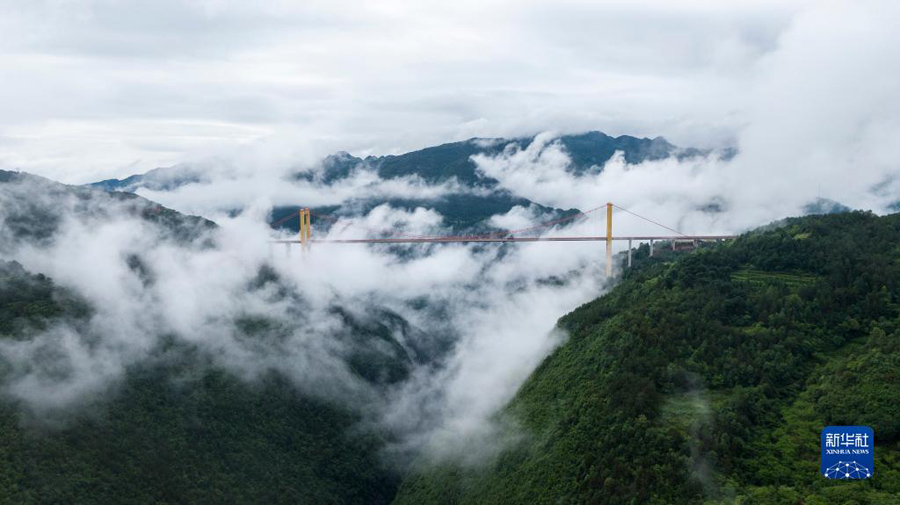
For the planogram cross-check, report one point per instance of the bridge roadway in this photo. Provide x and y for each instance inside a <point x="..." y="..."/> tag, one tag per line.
<point x="305" y="239"/>
<point x="443" y="240"/>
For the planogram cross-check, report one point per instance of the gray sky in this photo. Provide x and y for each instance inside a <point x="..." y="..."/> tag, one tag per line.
<point x="99" y="88"/>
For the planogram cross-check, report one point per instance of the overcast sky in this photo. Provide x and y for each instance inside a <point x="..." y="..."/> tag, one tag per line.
<point x="99" y="88"/>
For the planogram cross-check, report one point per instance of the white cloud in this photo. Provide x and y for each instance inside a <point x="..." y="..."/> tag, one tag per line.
<point x="517" y="218"/>
<point x="231" y="188"/>
<point x="821" y="119"/>
<point x="495" y="307"/>
<point x="100" y="88"/>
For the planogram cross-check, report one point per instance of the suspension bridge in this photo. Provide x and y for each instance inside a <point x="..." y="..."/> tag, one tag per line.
<point x="504" y="236"/>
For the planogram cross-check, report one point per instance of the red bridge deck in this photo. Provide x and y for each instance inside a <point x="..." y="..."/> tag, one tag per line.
<point x="444" y="240"/>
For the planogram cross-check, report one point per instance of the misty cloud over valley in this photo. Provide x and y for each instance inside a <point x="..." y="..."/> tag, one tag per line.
<point x="464" y="326"/>
<point x="161" y="251"/>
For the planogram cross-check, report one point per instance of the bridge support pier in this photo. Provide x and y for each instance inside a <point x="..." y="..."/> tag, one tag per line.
<point x="629" y="253"/>
<point x="673" y="244"/>
<point x="651" y="247"/>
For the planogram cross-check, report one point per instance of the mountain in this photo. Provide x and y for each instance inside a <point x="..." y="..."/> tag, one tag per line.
<point x="433" y="164"/>
<point x="177" y="429"/>
<point x="462" y="213"/>
<point x="453" y="161"/>
<point x="179" y="426"/>
<point x="825" y="206"/>
<point x="34" y="209"/>
<point x="466" y="209"/>
<point x="709" y="378"/>
<point x="158" y="179"/>
<point x="479" y="198"/>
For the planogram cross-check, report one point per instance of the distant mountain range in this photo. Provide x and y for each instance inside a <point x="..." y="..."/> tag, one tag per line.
<point x="480" y="196"/>
<point x="439" y="163"/>
<point x="446" y="161"/>
<point x="158" y="179"/>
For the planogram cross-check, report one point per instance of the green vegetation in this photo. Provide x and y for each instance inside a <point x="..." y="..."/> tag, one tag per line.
<point x="461" y="212"/>
<point x="791" y="280"/>
<point x="33" y="210"/>
<point x="464" y="211"/>
<point x="179" y="429"/>
<point x="701" y="378"/>
<point x="443" y="162"/>
<point x="707" y="379"/>
<point x="28" y="301"/>
<point x="207" y="438"/>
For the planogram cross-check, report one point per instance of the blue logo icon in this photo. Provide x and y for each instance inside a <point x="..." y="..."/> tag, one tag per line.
<point x="848" y="452"/>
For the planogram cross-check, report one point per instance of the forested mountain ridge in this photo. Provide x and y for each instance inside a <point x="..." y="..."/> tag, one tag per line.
<point x="453" y="160"/>
<point x="181" y="428"/>
<point x="434" y="164"/>
<point x="480" y="196"/>
<point x="476" y="197"/>
<point x="34" y="209"/>
<point x="177" y="429"/>
<point x="709" y="378"/>
<point x="180" y="423"/>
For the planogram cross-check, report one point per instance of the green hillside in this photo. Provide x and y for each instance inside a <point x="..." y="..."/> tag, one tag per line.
<point x="709" y="378"/>
<point x="179" y="429"/>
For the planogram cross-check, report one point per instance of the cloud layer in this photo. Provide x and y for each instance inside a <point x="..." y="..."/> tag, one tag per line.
<point x="496" y="306"/>
<point x="94" y="89"/>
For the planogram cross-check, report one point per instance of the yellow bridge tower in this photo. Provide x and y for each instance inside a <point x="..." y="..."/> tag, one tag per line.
<point x="305" y="229"/>
<point x="609" y="212"/>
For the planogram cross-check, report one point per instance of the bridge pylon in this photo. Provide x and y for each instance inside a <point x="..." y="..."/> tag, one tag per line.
<point x="609" y="239"/>
<point x="305" y="240"/>
<point x="305" y="229"/>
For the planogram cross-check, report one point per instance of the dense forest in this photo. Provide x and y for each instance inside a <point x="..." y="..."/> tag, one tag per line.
<point x="179" y="425"/>
<point x="180" y="429"/>
<point x="709" y="378"/>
